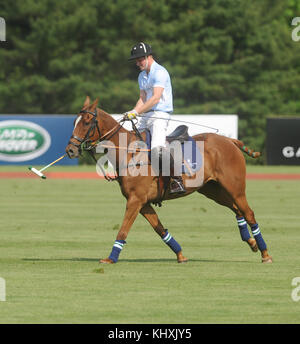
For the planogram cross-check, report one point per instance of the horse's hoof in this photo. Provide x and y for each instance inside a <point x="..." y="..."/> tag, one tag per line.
<point x="181" y="258"/>
<point x="252" y="243"/>
<point x="268" y="259"/>
<point x="106" y="261"/>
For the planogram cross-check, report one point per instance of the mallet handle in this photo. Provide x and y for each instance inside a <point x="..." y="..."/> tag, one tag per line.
<point x="52" y="163"/>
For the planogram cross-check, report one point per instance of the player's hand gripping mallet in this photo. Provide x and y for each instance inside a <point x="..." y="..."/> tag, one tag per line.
<point x="39" y="172"/>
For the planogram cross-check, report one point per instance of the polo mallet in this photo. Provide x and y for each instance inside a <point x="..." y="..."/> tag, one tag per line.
<point x="39" y="172"/>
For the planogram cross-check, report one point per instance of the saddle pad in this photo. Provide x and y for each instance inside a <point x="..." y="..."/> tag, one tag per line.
<point x="192" y="157"/>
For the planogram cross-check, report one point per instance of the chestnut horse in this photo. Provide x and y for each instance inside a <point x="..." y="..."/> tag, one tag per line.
<point x="224" y="175"/>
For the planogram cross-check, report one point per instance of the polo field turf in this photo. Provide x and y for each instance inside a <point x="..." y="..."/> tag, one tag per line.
<point x="54" y="231"/>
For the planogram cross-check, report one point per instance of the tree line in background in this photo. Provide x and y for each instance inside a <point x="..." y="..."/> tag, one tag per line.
<point x="224" y="56"/>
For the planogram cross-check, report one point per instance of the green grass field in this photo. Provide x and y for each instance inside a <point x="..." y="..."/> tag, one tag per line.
<point x="53" y="232"/>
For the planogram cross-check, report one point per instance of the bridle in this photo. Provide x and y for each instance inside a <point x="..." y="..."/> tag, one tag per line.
<point x="91" y="131"/>
<point x="88" y="145"/>
<point x="94" y="125"/>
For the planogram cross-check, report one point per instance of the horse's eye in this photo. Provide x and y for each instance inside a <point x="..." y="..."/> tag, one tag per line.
<point x="86" y="123"/>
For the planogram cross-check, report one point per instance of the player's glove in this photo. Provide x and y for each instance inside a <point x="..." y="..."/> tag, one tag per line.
<point x="131" y="114"/>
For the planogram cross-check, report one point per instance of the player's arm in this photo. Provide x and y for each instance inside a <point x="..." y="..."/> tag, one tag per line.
<point x="143" y="106"/>
<point x="142" y="99"/>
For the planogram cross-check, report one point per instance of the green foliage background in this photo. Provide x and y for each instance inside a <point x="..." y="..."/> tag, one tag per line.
<point x="224" y="56"/>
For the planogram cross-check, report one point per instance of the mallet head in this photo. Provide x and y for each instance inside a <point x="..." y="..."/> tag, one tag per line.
<point x="37" y="172"/>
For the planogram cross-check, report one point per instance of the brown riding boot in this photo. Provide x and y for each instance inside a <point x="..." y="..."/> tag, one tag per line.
<point x="176" y="185"/>
<point x="176" y="182"/>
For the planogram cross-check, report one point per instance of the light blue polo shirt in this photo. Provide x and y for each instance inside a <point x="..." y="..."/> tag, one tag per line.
<point x="157" y="77"/>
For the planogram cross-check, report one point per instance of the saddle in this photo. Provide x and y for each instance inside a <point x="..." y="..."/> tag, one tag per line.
<point x="180" y="134"/>
<point x="191" y="157"/>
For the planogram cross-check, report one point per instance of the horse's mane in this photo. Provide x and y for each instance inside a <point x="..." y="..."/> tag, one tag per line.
<point x="108" y="120"/>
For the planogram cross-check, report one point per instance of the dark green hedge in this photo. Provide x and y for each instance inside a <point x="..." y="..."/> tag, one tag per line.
<point x="224" y="56"/>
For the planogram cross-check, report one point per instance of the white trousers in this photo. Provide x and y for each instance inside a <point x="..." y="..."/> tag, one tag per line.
<point x="157" y="122"/>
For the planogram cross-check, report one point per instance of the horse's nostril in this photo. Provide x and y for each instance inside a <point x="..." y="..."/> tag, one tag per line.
<point x="70" y="153"/>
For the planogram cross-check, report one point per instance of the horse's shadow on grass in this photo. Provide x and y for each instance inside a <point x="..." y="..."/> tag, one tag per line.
<point x="144" y="260"/>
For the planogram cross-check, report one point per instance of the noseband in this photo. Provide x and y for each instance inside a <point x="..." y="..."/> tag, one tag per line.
<point x="91" y="131"/>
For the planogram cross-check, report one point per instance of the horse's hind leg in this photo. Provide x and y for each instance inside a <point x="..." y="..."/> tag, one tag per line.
<point x="149" y="213"/>
<point x="248" y="213"/>
<point x="236" y="190"/>
<point x="216" y="192"/>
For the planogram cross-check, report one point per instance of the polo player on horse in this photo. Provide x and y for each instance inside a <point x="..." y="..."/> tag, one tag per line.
<point x="155" y="105"/>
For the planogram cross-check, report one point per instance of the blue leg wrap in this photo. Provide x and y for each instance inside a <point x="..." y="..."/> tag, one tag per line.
<point x="171" y="242"/>
<point x="243" y="228"/>
<point x="116" y="250"/>
<point x="258" y="237"/>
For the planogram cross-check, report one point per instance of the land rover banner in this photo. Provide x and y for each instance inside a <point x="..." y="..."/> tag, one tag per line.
<point x="40" y="139"/>
<point x="34" y="139"/>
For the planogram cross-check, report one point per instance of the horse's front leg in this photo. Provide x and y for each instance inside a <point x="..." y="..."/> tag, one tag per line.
<point x="133" y="207"/>
<point x="150" y="214"/>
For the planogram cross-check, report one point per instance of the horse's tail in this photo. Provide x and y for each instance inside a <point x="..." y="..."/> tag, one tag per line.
<point x="246" y="149"/>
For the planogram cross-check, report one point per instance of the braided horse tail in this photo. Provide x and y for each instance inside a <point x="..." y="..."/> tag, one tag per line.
<point x="246" y="149"/>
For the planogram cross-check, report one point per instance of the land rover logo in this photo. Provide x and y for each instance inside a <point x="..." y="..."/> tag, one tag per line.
<point x="22" y="140"/>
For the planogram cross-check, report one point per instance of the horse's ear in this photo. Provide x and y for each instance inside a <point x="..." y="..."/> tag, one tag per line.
<point x="87" y="101"/>
<point x="95" y="103"/>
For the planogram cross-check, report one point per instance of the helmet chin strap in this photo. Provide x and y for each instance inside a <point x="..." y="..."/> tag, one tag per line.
<point x="147" y="63"/>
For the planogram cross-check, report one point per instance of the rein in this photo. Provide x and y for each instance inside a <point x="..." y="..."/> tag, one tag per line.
<point x="82" y="141"/>
<point x="86" y="144"/>
<point x="93" y="127"/>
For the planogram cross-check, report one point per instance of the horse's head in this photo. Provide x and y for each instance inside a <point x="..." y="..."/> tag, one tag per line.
<point x="86" y="128"/>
